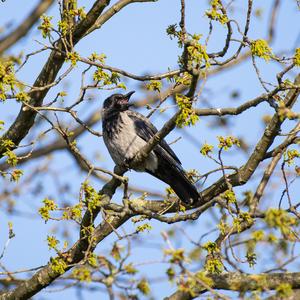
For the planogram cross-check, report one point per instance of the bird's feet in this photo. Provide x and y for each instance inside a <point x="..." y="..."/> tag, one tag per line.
<point x="128" y="162"/>
<point x="125" y="194"/>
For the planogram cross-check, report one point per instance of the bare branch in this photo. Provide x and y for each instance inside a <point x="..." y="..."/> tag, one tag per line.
<point x="13" y="37"/>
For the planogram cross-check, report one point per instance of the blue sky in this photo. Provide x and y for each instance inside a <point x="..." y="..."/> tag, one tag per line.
<point x="136" y="40"/>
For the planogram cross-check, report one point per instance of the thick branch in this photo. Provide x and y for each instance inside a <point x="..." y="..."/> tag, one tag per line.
<point x="242" y="283"/>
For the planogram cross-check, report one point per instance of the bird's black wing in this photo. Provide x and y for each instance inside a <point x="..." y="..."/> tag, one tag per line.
<point x="146" y="130"/>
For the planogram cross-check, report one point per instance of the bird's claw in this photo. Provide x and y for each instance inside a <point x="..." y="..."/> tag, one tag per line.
<point x="127" y="162"/>
<point x="125" y="194"/>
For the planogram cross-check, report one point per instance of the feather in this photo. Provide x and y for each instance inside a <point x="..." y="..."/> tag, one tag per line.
<point x="146" y="130"/>
<point x="169" y="167"/>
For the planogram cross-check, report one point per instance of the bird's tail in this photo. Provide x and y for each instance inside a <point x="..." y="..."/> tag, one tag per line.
<point x="175" y="176"/>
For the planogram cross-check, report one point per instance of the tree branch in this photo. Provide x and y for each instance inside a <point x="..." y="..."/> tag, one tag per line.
<point x="13" y="37"/>
<point x="75" y="254"/>
<point x="112" y="11"/>
<point x="246" y="171"/>
<point x="25" y="119"/>
<point x="242" y="282"/>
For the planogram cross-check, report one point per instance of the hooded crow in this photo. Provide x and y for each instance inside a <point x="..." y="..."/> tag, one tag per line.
<point x="126" y="131"/>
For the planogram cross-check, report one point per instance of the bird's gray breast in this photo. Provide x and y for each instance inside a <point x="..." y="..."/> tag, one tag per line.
<point x="123" y="143"/>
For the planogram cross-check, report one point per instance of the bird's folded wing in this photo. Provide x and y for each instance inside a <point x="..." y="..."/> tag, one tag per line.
<point x="146" y="130"/>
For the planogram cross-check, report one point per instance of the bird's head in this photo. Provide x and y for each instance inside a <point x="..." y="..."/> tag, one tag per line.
<point x="117" y="102"/>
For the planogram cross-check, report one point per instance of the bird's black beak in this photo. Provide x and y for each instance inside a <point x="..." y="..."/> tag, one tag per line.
<point x="127" y="96"/>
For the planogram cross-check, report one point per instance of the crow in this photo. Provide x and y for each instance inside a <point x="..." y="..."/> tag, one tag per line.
<point x="126" y="131"/>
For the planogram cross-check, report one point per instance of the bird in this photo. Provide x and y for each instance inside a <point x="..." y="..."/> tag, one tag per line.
<point x="126" y="131"/>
